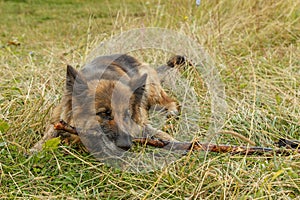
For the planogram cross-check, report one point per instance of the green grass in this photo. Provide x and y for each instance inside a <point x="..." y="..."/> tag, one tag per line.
<point x="255" y="45"/>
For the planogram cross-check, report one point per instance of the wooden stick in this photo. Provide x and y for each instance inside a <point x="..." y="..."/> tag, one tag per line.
<point x="150" y="142"/>
<point x="244" y="150"/>
<point x="293" y="144"/>
<point x="62" y="125"/>
<point x="197" y="146"/>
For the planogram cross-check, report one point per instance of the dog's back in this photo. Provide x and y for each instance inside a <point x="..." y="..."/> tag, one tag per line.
<point x="112" y="67"/>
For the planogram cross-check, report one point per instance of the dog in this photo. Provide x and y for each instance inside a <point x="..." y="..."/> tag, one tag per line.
<point x="111" y="96"/>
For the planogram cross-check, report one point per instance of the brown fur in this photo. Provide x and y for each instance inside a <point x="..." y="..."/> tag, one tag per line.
<point x="115" y="92"/>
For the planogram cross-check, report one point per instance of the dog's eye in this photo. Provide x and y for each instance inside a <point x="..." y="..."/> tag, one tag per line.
<point x="105" y="114"/>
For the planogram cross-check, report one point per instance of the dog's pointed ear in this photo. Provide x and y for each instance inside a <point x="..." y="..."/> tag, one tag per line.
<point x="75" y="82"/>
<point x="138" y="85"/>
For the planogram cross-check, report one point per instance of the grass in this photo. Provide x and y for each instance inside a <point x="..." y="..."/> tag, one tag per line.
<point x="255" y="45"/>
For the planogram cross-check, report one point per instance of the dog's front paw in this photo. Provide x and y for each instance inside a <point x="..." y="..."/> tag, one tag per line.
<point x="171" y="113"/>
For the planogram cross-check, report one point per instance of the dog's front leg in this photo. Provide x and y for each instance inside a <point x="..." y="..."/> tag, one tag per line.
<point x="170" y="105"/>
<point x="49" y="134"/>
<point x="150" y="131"/>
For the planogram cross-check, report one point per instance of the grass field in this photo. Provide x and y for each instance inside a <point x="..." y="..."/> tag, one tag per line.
<point x="254" y="44"/>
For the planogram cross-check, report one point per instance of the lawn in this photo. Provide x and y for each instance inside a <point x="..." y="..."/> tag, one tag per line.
<point x="254" y="45"/>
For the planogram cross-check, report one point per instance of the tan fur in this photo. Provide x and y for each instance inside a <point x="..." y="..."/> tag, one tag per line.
<point x="121" y="87"/>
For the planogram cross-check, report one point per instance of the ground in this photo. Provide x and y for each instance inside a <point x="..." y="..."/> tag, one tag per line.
<point x="255" y="48"/>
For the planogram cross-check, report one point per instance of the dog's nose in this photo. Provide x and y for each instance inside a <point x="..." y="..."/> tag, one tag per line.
<point x="124" y="141"/>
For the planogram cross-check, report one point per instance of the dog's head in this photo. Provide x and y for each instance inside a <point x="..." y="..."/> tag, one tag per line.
<point x="107" y="104"/>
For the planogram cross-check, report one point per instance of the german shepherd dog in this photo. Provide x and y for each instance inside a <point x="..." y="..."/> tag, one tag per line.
<point x="114" y="93"/>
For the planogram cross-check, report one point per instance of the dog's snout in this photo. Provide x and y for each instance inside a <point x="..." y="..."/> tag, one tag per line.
<point x="124" y="141"/>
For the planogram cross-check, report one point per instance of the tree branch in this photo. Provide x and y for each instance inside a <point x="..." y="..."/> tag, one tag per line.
<point x="290" y="146"/>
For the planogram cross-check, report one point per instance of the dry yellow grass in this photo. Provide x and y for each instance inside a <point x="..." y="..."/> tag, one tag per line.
<point x="255" y="45"/>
